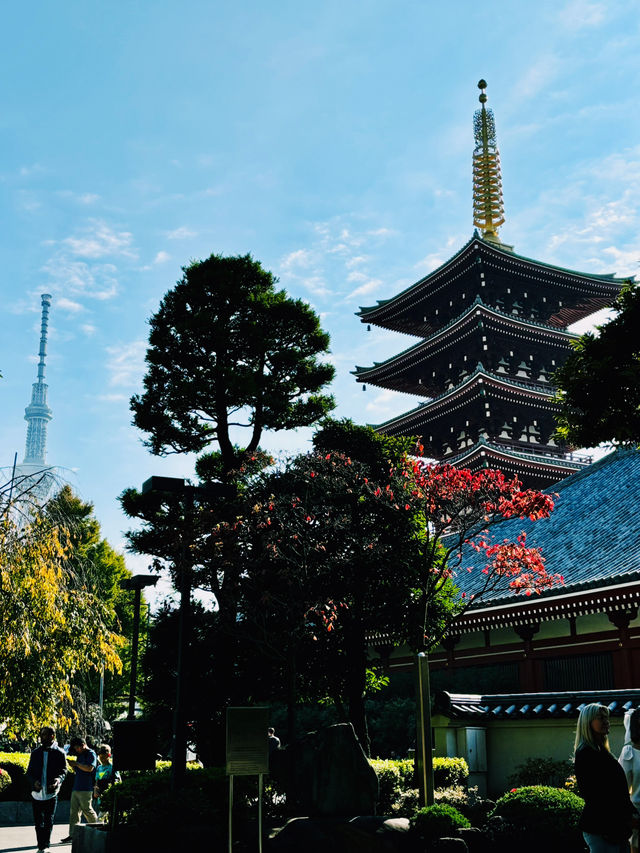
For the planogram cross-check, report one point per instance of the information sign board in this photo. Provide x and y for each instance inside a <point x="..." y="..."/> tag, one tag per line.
<point x="247" y="744"/>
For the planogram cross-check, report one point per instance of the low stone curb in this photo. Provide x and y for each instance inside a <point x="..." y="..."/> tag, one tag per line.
<point x="16" y="813"/>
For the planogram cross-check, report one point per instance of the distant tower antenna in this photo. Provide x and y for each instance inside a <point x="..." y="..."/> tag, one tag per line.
<point x="488" y="208"/>
<point x="38" y="414"/>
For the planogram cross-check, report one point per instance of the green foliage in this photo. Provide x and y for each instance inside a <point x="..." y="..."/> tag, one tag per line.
<point x="438" y="821"/>
<point x="223" y="342"/>
<point x="407" y="803"/>
<point x="466" y="800"/>
<point x="15" y="764"/>
<point x="450" y="772"/>
<point x="145" y="802"/>
<point x="599" y="384"/>
<point x="541" y="816"/>
<point x="541" y="771"/>
<point x="389" y="783"/>
<point x="45" y="636"/>
<point x="5" y="781"/>
<point x="92" y="560"/>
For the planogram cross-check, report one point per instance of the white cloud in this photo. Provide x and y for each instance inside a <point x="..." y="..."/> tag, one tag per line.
<point x="68" y="305"/>
<point x="88" y="329"/>
<point x="80" y="198"/>
<point x="112" y="398"/>
<point x="580" y="14"/>
<point x="369" y="287"/>
<point x="162" y="258"/>
<point x="78" y="278"/>
<point x="299" y="258"/>
<point x="125" y="363"/>
<point x="99" y="240"/>
<point x="181" y="233"/>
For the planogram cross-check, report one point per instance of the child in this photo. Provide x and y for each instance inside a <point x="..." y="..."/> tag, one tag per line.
<point x="105" y="775"/>
<point x="630" y="761"/>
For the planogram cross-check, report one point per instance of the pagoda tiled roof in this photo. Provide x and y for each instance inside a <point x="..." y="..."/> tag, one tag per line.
<point x="491" y="449"/>
<point x="478" y="306"/>
<point x="537" y="706"/>
<point x="417" y="414"/>
<point x="609" y="285"/>
<point x="590" y="538"/>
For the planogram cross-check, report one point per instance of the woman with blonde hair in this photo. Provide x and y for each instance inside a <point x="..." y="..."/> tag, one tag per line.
<point x="606" y="817"/>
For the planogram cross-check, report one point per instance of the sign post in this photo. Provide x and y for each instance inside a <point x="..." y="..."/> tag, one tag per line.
<point x="247" y="754"/>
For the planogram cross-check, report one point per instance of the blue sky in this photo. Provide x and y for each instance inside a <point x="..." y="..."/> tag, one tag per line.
<point x="331" y="140"/>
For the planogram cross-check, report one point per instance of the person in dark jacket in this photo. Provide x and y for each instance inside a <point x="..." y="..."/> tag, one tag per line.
<point x="606" y="817"/>
<point x="47" y="768"/>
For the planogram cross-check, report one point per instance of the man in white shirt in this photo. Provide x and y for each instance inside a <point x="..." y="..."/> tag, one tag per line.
<point x="47" y="768"/>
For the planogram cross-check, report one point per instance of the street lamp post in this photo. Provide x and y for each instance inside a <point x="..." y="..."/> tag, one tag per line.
<point x="212" y="491"/>
<point x="136" y="583"/>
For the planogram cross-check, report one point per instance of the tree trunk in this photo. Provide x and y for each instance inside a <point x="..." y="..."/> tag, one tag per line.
<point x="292" y="694"/>
<point x="356" y="686"/>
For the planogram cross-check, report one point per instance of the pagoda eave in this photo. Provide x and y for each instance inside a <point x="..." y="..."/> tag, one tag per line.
<point x="533" y="468"/>
<point x="396" y="372"/>
<point x="582" y="294"/>
<point x="478" y="382"/>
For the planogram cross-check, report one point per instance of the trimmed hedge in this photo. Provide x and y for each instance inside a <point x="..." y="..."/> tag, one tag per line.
<point x="450" y="772"/>
<point x="542" y="817"/>
<point x="438" y="821"/>
<point x="15" y="763"/>
<point x="5" y="780"/>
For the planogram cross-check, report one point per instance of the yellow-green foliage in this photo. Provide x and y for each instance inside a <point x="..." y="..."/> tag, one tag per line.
<point x="396" y="778"/>
<point x="450" y="772"/>
<point x="44" y="631"/>
<point x="15" y="763"/>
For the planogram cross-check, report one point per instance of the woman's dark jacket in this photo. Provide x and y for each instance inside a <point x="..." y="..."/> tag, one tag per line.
<point x="603" y="785"/>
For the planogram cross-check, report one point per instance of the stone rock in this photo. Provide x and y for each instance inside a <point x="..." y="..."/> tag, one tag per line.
<point x="449" y="845"/>
<point x="475" y="840"/>
<point x="319" y="835"/>
<point x="327" y="773"/>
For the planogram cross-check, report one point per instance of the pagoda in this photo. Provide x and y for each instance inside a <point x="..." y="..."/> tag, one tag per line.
<point x="492" y="329"/>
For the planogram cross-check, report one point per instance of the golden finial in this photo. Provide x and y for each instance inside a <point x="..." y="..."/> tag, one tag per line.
<point x="488" y="209"/>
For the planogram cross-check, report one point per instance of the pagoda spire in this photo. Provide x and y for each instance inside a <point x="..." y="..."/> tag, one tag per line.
<point x="38" y="414"/>
<point x="488" y="209"/>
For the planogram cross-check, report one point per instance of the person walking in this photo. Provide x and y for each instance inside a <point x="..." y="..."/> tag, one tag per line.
<point x="606" y="818"/>
<point x="81" y="795"/>
<point x="46" y="771"/>
<point x="630" y="762"/>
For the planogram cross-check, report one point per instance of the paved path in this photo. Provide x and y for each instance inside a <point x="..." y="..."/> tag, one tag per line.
<point x="19" y="839"/>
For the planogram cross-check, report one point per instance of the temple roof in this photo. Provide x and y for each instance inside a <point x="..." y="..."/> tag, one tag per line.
<point x="518" y="706"/>
<point x="383" y="372"/>
<point x="478" y="380"/>
<point x="587" y="292"/>
<point x="591" y="539"/>
<point x="501" y="456"/>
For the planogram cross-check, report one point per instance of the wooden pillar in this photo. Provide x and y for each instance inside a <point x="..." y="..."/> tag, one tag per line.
<point x="449" y="643"/>
<point x="622" y="657"/>
<point x="528" y="672"/>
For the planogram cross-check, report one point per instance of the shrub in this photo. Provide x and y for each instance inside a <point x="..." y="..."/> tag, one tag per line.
<point x="450" y="772"/>
<point x="144" y="800"/>
<point x="407" y="803"/>
<point x="389" y="783"/>
<point x="15" y="763"/>
<point x="438" y="821"/>
<point x="541" y="771"/>
<point x="542" y="817"/>
<point x="467" y="801"/>
<point x="5" y="780"/>
<point x="406" y="768"/>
